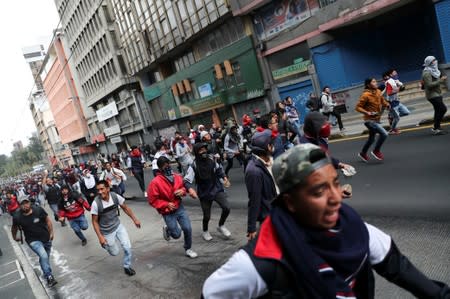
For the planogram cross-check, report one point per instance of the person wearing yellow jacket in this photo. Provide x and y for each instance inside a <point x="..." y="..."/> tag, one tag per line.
<point x="370" y="104"/>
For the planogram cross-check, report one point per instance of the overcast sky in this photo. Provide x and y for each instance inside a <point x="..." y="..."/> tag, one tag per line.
<point x="22" y="23"/>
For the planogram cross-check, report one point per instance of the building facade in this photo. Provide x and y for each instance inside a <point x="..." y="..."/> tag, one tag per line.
<point x="196" y="63"/>
<point x="308" y="44"/>
<point x="40" y="110"/>
<point x="63" y="100"/>
<point x="115" y="110"/>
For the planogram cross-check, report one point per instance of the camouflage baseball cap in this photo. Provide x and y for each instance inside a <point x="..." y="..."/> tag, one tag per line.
<point x="295" y="165"/>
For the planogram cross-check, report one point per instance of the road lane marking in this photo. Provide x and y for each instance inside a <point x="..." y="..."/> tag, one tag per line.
<point x="18" y="271"/>
<point x="364" y="136"/>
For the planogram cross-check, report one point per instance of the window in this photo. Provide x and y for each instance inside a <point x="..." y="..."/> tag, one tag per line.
<point x="237" y="73"/>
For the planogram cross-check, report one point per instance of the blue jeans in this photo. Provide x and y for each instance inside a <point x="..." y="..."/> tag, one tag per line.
<point x="374" y="128"/>
<point x="396" y="112"/>
<point x="182" y="218"/>
<point x="42" y="249"/>
<point x="55" y="209"/>
<point x="113" y="249"/>
<point x="78" y="224"/>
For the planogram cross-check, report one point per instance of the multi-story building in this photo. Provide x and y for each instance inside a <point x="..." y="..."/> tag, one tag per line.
<point x="115" y="108"/>
<point x="18" y="145"/>
<point x="64" y="103"/>
<point x="195" y="62"/>
<point x="34" y="56"/>
<point x="308" y="44"/>
<point x="40" y="110"/>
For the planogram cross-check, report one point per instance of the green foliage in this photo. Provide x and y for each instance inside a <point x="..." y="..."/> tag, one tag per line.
<point x="22" y="160"/>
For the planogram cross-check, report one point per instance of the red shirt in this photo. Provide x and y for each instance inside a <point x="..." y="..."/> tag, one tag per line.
<point x="73" y="206"/>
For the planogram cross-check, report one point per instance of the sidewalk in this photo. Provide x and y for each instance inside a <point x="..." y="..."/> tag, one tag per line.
<point x="421" y="114"/>
<point x="17" y="278"/>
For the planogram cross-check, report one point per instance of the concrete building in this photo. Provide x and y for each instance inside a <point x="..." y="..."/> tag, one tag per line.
<point x="196" y="63"/>
<point x="307" y="44"/>
<point x="116" y="112"/>
<point x="18" y="146"/>
<point x="40" y="110"/>
<point x="34" y="56"/>
<point x="64" y="103"/>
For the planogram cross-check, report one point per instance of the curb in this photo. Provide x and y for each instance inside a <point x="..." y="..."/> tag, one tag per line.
<point x="36" y="285"/>
<point x="424" y="122"/>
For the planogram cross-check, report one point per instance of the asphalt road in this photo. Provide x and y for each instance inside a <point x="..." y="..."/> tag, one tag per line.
<point x="407" y="196"/>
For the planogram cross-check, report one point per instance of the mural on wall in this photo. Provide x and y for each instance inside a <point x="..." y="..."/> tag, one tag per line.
<point x="280" y="15"/>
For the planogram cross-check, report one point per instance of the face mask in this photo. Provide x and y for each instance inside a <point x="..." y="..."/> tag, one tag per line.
<point x="204" y="156"/>
<point x="395" y="77"/>
<point x="434" y="63"/>
<point x="325" y="131"/>
<point x="167" y="171"/>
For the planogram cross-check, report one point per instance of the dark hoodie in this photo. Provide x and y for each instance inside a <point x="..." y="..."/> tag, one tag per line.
<point x="313" y="123"/>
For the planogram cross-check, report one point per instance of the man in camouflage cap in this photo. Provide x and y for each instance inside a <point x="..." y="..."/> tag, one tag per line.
<point x="314" y="246"/>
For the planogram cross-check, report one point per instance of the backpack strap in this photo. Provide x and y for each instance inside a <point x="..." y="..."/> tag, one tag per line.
<point x="99" y="203"/>
<point x="115" y="199"/>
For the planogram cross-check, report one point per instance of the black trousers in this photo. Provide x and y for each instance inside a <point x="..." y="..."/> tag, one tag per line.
<point x="338" y="117"/>
<point x="139" y="175"/>
<point x="206" y="203"/>
<point x="439" y="111"/>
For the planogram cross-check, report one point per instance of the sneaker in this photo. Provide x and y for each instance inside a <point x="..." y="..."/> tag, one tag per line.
<point x="438" y="132"/>
<point x="377" y="155"/>
<point x="394" y="132"/>
<point x="191" y="253"/>
<point x="206" y="236"/>
<point x="51" y="281"/>
<point x="224" y="231"/>
<point x="145" y="193"/>
<point x="363" y="157"/>
<point x="129" y="271"/>
<point x="166" y="234"/>
<point x="83" y="242"/>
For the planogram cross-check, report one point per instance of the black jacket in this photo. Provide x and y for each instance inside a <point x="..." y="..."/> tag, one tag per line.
<point x="261" y="191"/>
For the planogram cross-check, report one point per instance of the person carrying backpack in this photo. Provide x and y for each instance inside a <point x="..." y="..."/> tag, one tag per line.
<point x="107" y="226"/>
<point x="208" y="176"/>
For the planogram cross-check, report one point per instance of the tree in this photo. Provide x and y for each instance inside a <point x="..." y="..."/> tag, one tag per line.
<point x="35" y="147"/>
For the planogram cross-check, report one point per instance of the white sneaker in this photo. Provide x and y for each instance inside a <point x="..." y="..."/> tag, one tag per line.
<point x="191" y="253"/>
<point x="206" y="236"/>
<point x="145" y="193"/>
<point x="224" y="231"/>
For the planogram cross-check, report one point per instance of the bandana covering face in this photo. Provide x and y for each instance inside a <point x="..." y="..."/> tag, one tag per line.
<point x="325" y="261"/>
<point x="431" y="65"/>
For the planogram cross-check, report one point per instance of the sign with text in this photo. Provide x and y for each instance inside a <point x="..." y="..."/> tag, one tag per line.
<point x="107" y="112"/>
<point x="280" y="15"/>
<point x="298" y="67"/>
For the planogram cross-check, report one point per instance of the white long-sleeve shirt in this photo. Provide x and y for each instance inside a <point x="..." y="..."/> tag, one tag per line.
<point x="239" y="279"/>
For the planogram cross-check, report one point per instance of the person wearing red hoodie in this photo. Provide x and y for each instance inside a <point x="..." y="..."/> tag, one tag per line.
<point x="71" y="206"/>
<point x="11" y="203"/>
<point x="164" y="194"/>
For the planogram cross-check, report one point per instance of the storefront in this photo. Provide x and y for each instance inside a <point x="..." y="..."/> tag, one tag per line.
<point x="221" y="85"/>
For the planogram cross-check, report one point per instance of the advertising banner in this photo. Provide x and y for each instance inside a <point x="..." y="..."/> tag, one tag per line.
<point x="280" y="15"/>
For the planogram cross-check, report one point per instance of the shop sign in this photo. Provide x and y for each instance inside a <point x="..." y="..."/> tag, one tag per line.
<point x="75" y="151"/>
<point x="112" y="130"/>
<point x="107" y="112"/>
<point x="299" y="66"/>
<point x="199" y="106"/>
<point x="116" y="139"/>
<point x="205" y="90"/>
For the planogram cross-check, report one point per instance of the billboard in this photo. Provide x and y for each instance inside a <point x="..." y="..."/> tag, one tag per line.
<point x="280" y="15"/>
